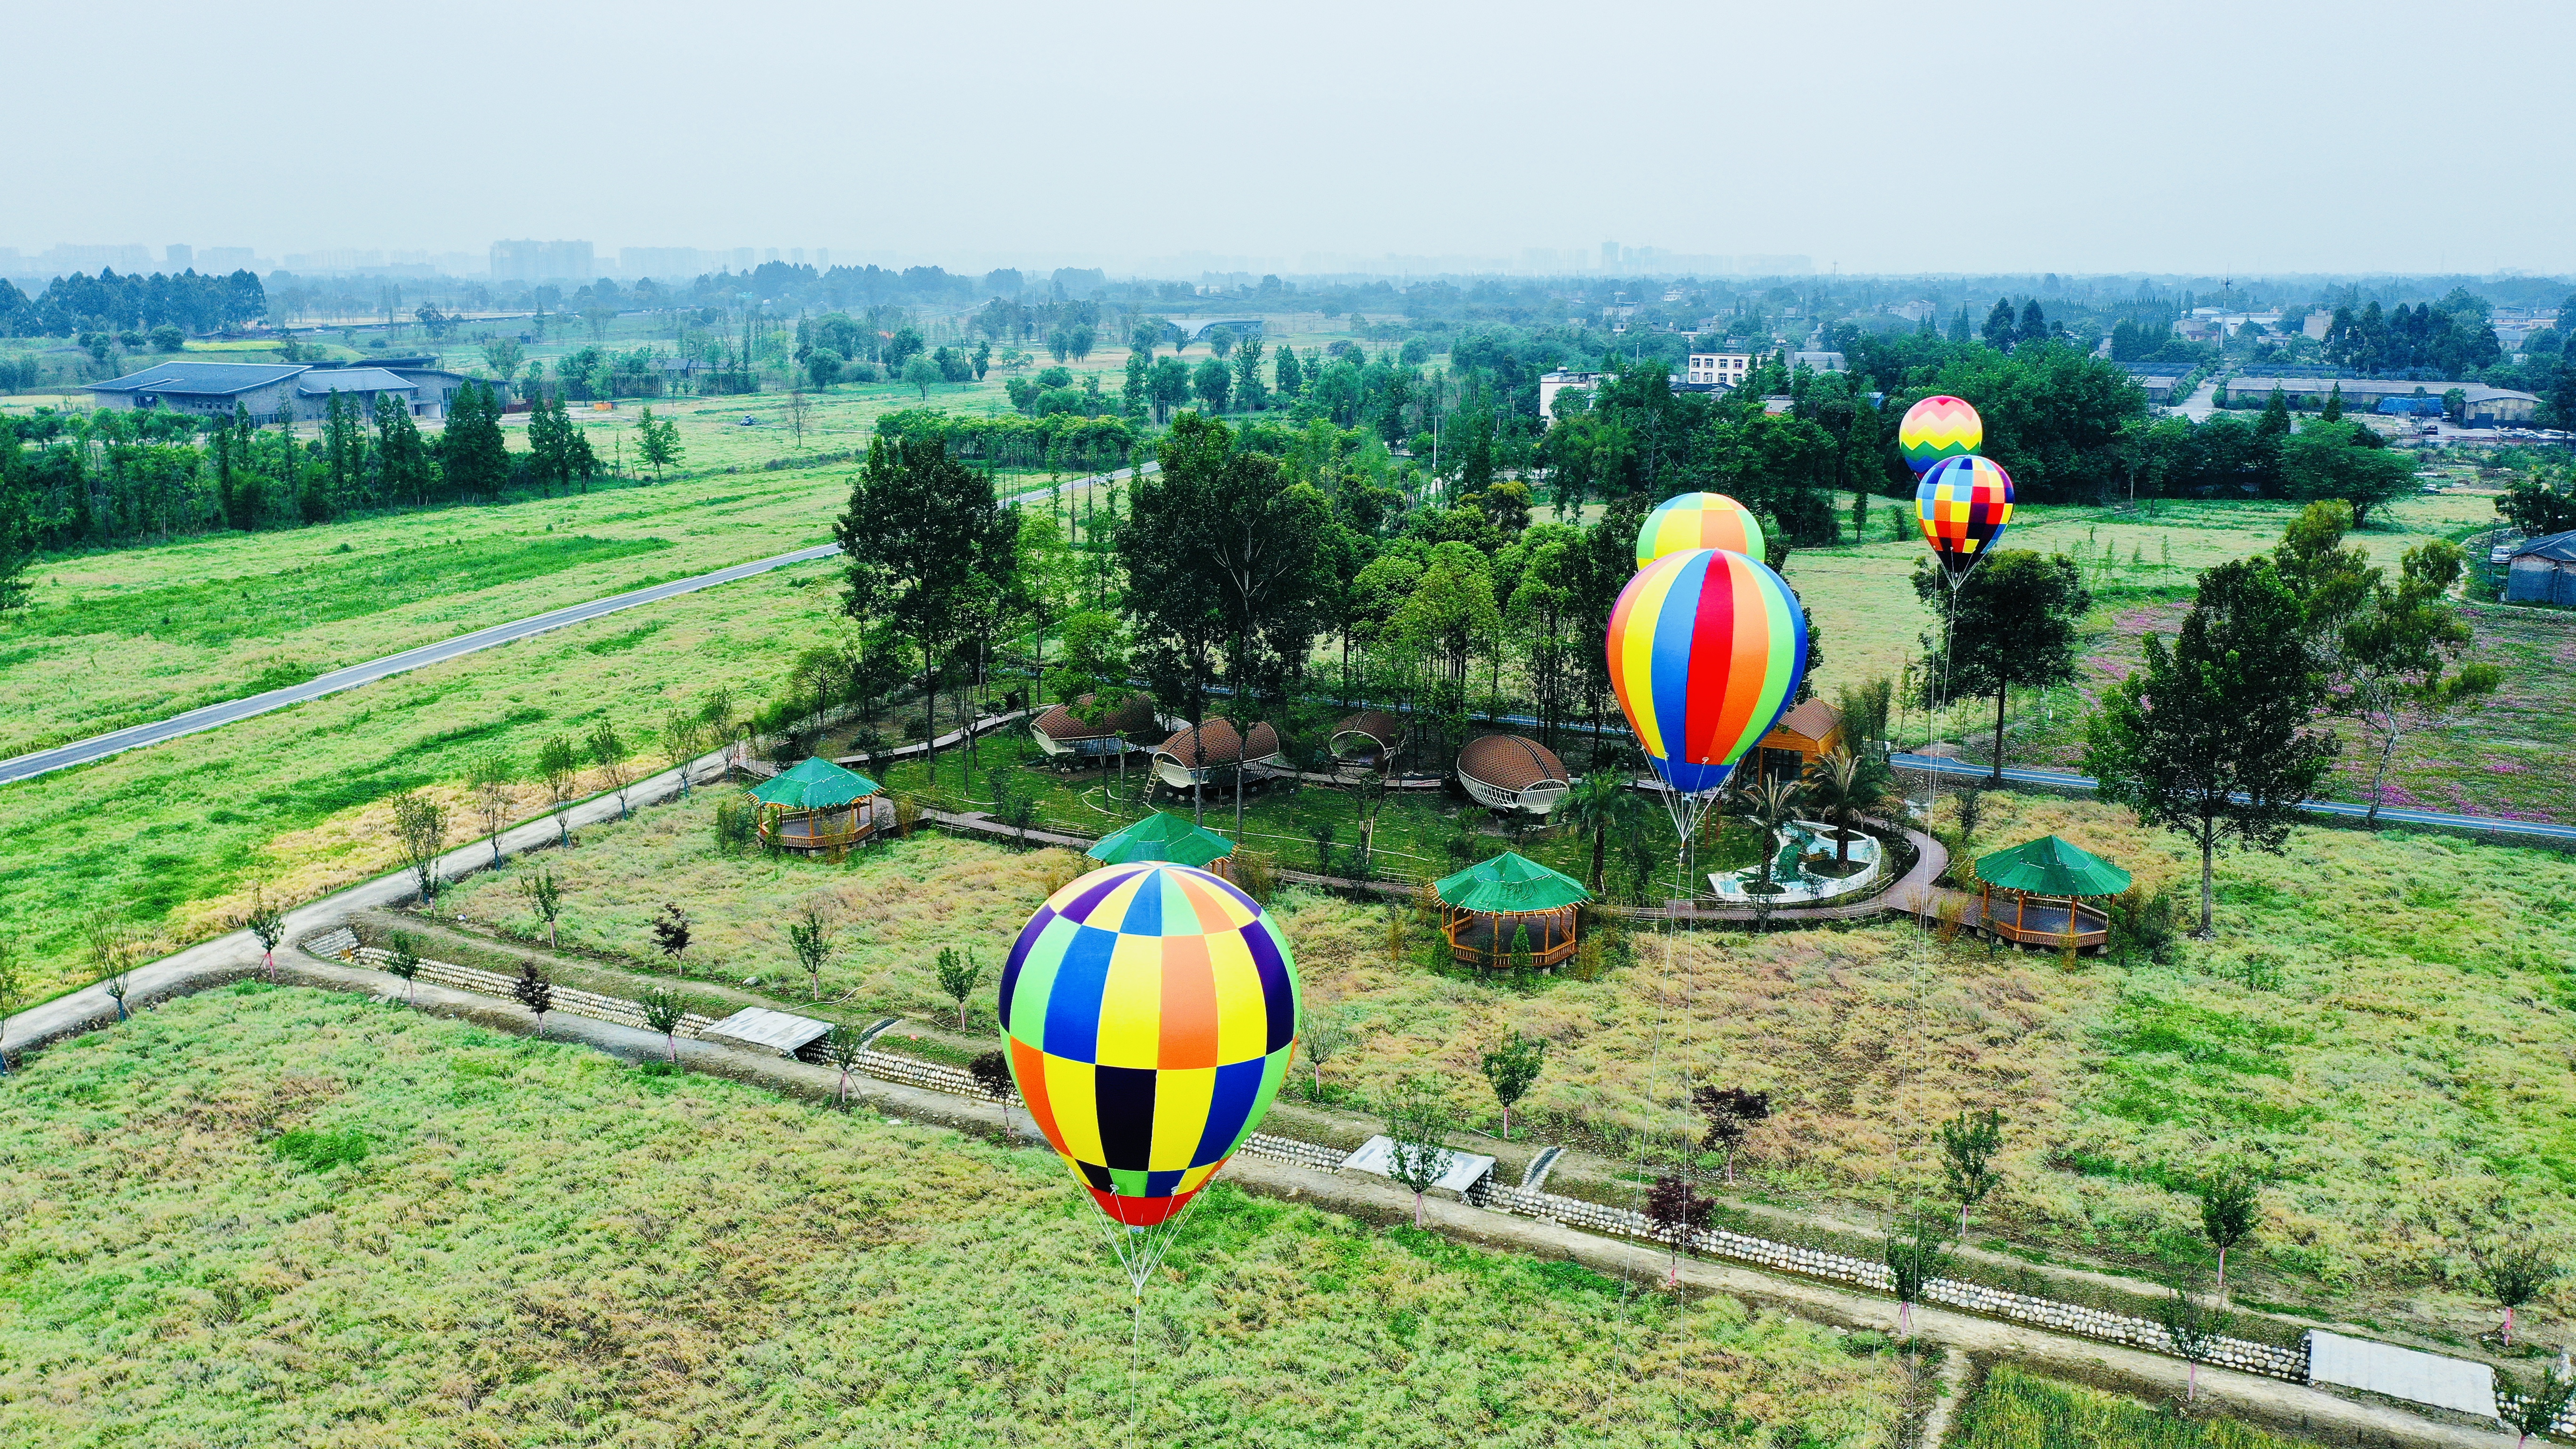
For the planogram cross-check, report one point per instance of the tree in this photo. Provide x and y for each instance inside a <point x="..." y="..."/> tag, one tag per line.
<point x="502" y="355"/>
<point x="658" y="443"/>
<point x="1914" y="1258"/>
<point x="811" y="936"/>
<point x="1600" y="803"/>
<point x="1732" y="1112"/>
<point x="18" y="536"/>
<point x="843" y="1045"/>
<point x="1419" y="1121"/>
<point x="1214" y="383"/>
<point x="489" y="776"/>
<point x="664" y="1011"/>
<point x="2194" y="1329"/>
<point x="919" y="374"/>
<point x="1969" y="1143"/>
<point x="2230" y="1201"/>
<point x="471" y="454"/>
<point x="1770" y="806"/>
<point x="544" y="894"/>
<point x="402" y="961"/>
<point x="111" y="953"/>
<point x="560" y="768"/>
<point x="420" y="828"/>
<point x="1999" y="329"/>
<point x="2344" y="460"/>
<point x="1841" y="787"/>
<point x="1677" y="1211"/>
<point x="2537" y="1407"/>
<point x="2210" y="738"/>
<point x="266" y="920"/>
<point x="1511" y="1069"/>
<point x="535" y="991"/>
<point x="2513" y="1264"/>
<point x="798" y="409"/>
<point x="608" y="752"/>
<point x="2395" y="652"/>
<point x="2012" y="623"/>
<point x="682" y="736"/>
<point x="959" y="974"/>
<point x="671" y="935"/>
<point x="1325" y="1034"/>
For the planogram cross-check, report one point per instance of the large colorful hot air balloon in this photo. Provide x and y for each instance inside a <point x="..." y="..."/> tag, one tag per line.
<point x="1149" y="1011"/>
<point x="1706" y="651"/>
<point x="1939" y="427"/>
<point x="1963" y="505"/>
<point x="1698" y="520"/>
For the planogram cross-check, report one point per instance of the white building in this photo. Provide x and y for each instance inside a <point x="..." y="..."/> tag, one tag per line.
<point x="1727" y="369"/>
<point x="1552" y="383"/>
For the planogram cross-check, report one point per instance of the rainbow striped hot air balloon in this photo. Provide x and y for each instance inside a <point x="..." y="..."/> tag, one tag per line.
<point x="1149" y="1011"/>
<point x="1698" y="520"/>
<point x="1706" y="651"/>
<point x="1963" y="505"/>
<point x="1940" y="426"/>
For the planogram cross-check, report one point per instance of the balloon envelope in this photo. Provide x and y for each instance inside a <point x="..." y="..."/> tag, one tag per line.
<point x="1963" y="505"/>
<point x="1698" y="520"/>
<point x="1940" y="426"/>
<point x="1149" y="1011"/>
<point x="1706" y="651"/>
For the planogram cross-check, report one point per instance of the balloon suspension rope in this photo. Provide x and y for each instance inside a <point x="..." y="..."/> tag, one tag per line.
<point x="1140" y="1252"/>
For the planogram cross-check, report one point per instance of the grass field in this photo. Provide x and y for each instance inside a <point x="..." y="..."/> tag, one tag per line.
<point x="274" y="1216"/>
<point x="2016" y="1410"/>
<point x="2384" y="1020"/>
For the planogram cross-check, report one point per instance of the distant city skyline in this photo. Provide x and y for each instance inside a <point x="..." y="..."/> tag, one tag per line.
<point x="1877" y="137"/>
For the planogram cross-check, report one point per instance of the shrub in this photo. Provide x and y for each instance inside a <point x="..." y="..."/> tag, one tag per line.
<point x="321" y="1151"/>
<point x="734" y="827"/>
<point x="1255" y="873"/>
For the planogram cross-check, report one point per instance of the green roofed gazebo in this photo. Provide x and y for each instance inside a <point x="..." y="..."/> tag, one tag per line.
<point x="2048" y="880"/>
<point x="1489" y="904"/>
<point x="1164" y="836"/>
<point x="816" y="806"/>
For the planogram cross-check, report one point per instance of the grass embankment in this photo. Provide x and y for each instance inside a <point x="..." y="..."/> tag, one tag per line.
<point x="2015" y="1410"/>
<point x="2500" y="760"/>
<point x="266" y="1216"/>
<point x="2384" y="1019"/>
<point x="169" y="841"/>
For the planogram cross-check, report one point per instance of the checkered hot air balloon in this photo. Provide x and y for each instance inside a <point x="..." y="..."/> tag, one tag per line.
<point x="1963" y="505"/>
<point x="1149" y="1011"/>
<point x="1706" y="651"/>
<point x="1698" y="520"/>
<point x="1940" y="426"/>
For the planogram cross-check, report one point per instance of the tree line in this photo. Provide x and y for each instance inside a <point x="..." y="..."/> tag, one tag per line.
<point x="190" y="301"/>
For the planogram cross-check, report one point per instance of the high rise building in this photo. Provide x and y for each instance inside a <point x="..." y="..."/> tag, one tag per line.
<point x="536" y="261"/>
<point x="178" y="256"/>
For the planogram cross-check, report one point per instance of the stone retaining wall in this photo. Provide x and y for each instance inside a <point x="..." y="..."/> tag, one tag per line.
<point x="614" y="1009"/>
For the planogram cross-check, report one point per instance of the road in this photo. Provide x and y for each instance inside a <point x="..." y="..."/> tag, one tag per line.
<point x="2067" y="780"/>
<point x="99" y="747"/>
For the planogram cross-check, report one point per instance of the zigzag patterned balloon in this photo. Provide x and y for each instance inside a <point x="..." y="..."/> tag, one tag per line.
<point x="1940" y="426"/>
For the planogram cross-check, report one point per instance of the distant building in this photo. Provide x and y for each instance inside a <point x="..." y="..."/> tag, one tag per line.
<point x="2542" y="570"/>
<point x="2485" y="405"/>
<point x="1194" y="329"/>
<point x="1552" y="383"/>
<point x="1727" y="369"/>
<point x="1818" y="361"/>
<point x="2317" y="325"/>
<point x="546" y="261"/>
<point x="212" y="389"/>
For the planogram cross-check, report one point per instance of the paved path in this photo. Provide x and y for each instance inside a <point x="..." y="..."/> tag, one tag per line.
<point x="99" y="747"/>
<point x="2342" y="809"/>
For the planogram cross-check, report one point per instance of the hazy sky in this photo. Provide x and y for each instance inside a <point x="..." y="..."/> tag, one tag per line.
<point x="2078" y="137"/>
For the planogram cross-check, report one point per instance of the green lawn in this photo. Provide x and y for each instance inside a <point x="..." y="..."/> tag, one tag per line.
<point x="274" y="1216"/>
<point x="2384" y="1020"/>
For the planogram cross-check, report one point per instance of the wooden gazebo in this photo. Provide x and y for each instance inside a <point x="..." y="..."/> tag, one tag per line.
<point x="2046" y="882"/>
<point x="1487" y="906"/>
<point x="817" y="806"/>
<point x="1165" y="836"/>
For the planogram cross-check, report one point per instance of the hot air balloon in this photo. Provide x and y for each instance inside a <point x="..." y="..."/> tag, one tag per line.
<point x="1149" y="1011"/>
<point x="1939" y="427"/>
<point x="1963" y="505"/>
<point x="1706" y="650"/>
<point x="1698" y="520"/>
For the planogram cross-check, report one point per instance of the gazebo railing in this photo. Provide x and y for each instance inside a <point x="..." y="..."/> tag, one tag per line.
<point x="1481" y="940"/>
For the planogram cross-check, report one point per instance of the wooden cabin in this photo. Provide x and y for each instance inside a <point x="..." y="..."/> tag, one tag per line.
<point x="1510" y="772"/>
<point x="1807" y="733"/>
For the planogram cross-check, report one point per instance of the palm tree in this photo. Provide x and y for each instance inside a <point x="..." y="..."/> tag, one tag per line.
<point x="1601" y="803"/>
<point x="1769" y="807"/>
<point x="1841" y="786"/>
